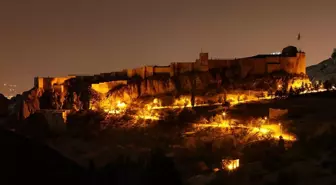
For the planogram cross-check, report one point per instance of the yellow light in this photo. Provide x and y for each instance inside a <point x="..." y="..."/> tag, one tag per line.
<point x="264" y="130"/>
<point x="230" y="164"/>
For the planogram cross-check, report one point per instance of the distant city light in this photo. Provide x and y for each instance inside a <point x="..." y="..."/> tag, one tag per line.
<point x="8" y="90"/>
<point x="276" y="53"/>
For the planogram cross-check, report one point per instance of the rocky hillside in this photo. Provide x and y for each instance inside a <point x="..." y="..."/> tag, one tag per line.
<point x="325" y="70"/>
<point x="206" y="83"/>
<point x="4" y="102"/>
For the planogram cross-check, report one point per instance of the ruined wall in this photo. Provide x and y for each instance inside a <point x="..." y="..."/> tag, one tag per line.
<point x="47" y="83"/>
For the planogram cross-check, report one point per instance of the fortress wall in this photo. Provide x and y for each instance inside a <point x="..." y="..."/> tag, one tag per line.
<point x="144" y="72"/>
<point x="302" y="63"/>
<point x="47" y="83"/>
<point x="161" y="69"/>
<point x="179" y="68"/>
<point x="221" y="63"/>
<point x="273" y="67"/>
<point x="148" y="71"/>
<point x="39" y="82"/>
<point x="60" y="80"/>
<point x="252" y="66"/>
<point x="294" y="65"/>
<point x="273" y="64"/>
<point x="201" y="66"/>
<point x="289" y="64"/>
<point x="140" y="71"/>
<point x="130" y="72"/>
<point x="137" y="71"/>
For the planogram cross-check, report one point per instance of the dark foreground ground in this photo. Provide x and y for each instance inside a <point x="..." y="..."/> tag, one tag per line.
<point x="24" y="161"/>
<point x="311" y="160"/>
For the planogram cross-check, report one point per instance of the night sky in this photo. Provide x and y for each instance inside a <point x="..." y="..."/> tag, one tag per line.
<point x="60" y="37"/>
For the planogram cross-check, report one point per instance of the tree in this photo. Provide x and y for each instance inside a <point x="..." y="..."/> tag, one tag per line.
<point x="327" y="85"/>
<point x="278" y="94"/>
<point x="333" y="80"/>
<point x="260" y="95"/>
<point x="291" y="92"/>
<point x="270" y="93"/>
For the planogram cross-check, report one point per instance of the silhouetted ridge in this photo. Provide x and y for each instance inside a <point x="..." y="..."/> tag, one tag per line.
<point x="24" y="161"/>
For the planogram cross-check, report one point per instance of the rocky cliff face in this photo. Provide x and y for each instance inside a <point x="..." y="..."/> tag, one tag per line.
<point x="205" y="83"/>
<point x="4" y="103"/>
<point x="326" y="70"/>
<point x="184" y="82"/>
<point x="27" y="103"/>
<point x="152" y="87"/>
<point x="126" y="93"/>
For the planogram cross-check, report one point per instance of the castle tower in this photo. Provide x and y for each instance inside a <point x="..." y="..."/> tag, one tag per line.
<point x="204" y="58"/>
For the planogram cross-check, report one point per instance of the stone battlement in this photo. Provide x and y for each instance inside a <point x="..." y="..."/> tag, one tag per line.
<point x="289" y="60"/>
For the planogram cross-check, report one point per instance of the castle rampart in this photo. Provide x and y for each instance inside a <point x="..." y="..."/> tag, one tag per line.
<point x="290" y="61"/>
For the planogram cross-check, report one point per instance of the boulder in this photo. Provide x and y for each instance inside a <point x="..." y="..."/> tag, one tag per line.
<point x="27" y="103"/>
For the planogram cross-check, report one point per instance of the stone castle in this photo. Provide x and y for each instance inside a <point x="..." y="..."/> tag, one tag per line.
<point x="290" y="60"/>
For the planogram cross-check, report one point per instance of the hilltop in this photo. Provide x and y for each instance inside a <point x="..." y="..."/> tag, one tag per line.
<point x="325" y="70"/>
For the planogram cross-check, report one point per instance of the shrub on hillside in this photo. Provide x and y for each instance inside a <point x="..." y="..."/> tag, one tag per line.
<point x="35" y="126"/>
<point x="187" y="116"/>
<point x="84" y="123"/>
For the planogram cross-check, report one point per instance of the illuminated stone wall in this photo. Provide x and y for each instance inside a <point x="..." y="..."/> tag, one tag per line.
<point x="162" y="70"/>
<point x="294" y="65"/>
<point x="105" y="87"/>
<point x="264" y="64"/>
<point x="47" y="83"/>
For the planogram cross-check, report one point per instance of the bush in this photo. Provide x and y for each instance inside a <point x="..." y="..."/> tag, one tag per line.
<point x="288" y="178"/>
<point x="187" y="116"/>
<point x="85" y="123"/>
<point x="35" y="126"/>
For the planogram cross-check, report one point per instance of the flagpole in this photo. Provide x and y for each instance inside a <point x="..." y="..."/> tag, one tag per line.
<point x="298" y="39"/>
